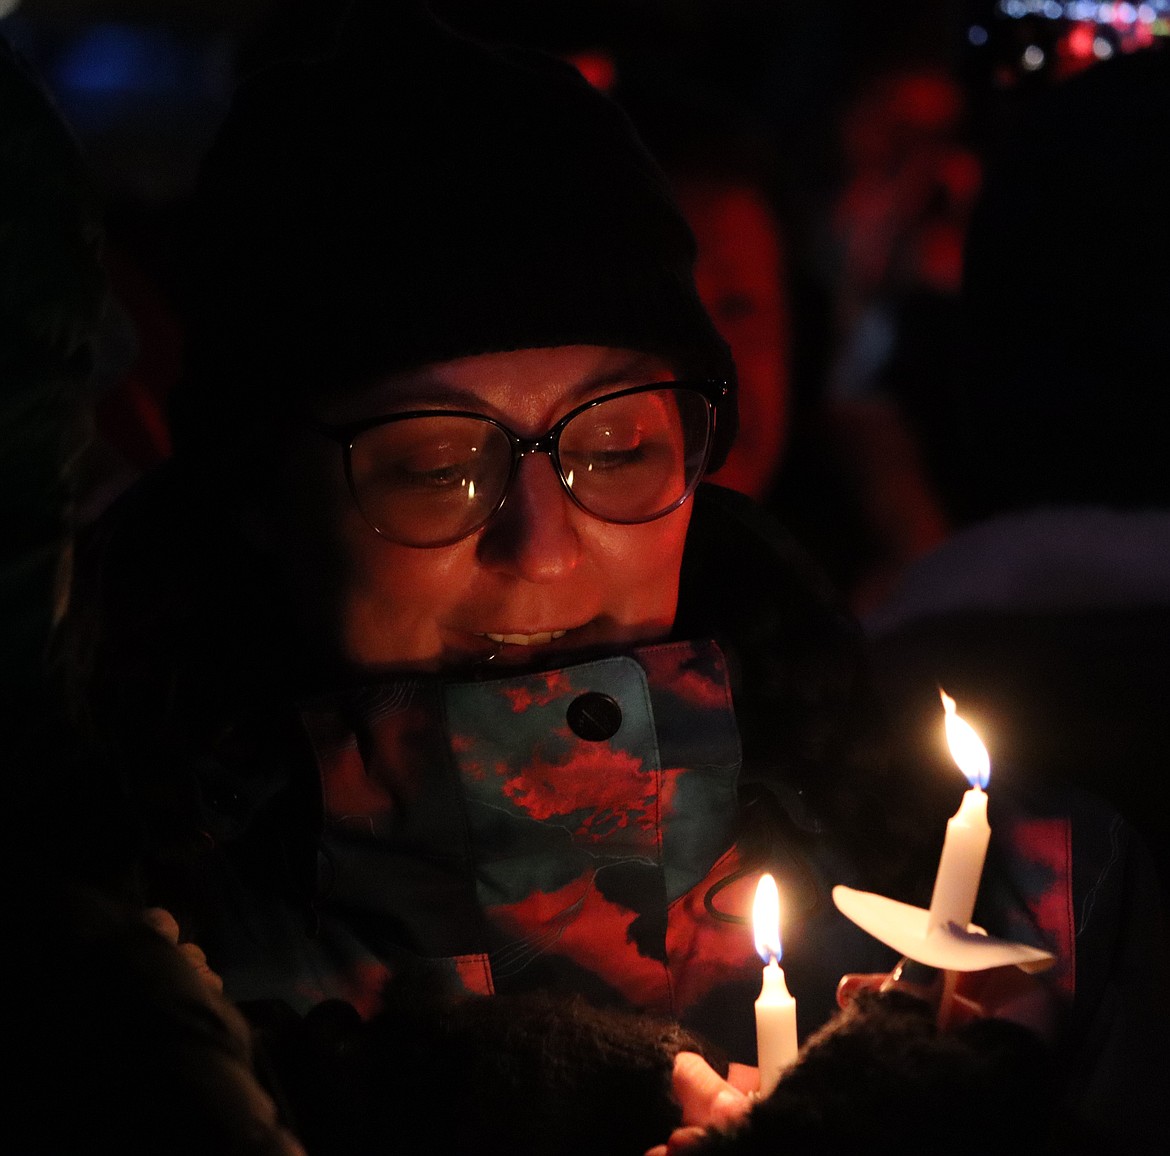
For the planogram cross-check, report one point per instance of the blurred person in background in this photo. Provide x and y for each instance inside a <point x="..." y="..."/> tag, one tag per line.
<point x="721" y="163"/>
<point x="120" y="1041"/>
<point x="897" y="228"/>
<point x="1048" y="608"/>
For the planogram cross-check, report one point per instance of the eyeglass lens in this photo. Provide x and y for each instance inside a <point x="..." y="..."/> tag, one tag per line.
<point x="430" y="480"/>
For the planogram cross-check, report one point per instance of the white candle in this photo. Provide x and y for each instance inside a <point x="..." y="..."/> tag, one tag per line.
<point x="965" y="848"/>
<point x="776" y="1045"/>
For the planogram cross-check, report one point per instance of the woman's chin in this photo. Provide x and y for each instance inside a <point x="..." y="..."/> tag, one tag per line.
<point x="482" y="656"/>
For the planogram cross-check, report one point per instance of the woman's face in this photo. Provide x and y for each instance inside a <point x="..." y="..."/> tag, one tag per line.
<point x="542" y="579"/>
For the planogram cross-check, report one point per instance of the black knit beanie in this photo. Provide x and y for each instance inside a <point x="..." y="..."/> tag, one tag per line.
<point x="416" y="197"/>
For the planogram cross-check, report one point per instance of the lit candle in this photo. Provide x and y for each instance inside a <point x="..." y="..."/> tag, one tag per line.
<point x="775" y="1009"/>
<point x="965" y="848"/>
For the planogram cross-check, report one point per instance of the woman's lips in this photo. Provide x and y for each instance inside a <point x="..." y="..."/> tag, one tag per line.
<point x="540" y="638"/>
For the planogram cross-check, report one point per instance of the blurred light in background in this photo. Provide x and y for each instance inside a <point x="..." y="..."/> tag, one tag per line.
<point x="142" y="96"/>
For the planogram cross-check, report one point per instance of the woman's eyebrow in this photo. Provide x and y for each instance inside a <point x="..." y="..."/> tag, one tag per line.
<point x="637" y="367"/>
<point x="432" y="393"/>
<point x="429" y="391"/>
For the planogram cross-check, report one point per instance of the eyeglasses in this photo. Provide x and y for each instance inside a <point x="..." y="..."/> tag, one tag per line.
<point x="432" y="477"/>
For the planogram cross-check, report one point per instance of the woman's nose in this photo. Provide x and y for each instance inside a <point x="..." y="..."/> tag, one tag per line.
<point x="533" y="534"/>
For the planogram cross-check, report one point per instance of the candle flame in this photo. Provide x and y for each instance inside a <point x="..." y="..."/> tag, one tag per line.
<point x="967" y="750"/>
<point x="766" y="919"/>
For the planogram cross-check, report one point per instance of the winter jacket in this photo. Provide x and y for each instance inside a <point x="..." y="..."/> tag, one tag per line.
<point x="600" y="829"/>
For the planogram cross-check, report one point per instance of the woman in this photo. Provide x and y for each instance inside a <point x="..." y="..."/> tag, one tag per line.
<point x="428" y="644"/>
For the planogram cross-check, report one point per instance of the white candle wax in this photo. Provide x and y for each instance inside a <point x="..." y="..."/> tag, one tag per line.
<point x="776" y="1043"/>
<point x="961" y="865"/>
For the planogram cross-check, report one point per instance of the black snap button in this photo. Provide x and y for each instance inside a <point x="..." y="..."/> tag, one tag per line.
<point x="594" y="717"/>
<point x="225" y="801"/>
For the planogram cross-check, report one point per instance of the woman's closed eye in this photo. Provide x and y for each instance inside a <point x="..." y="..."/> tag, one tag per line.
<point x="431" y="464"/>
<point x="610" y="460"/>
<point x="401" y="475"/>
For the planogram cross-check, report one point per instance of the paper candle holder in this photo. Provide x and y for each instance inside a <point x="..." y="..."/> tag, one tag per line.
<point x="948" y="947"/>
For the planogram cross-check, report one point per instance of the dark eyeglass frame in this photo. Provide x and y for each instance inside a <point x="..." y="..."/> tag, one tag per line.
<point x="344" y="435"/>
